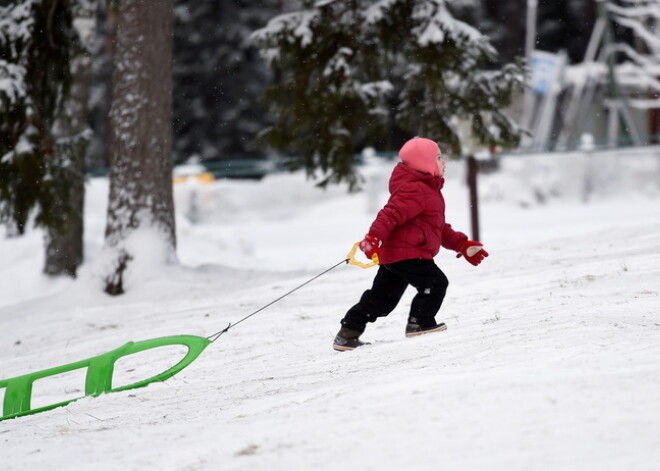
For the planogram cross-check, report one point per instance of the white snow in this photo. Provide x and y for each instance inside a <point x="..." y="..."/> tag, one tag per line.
<point x="440" y="23"/>
<point x="12" y="83"/>
<point x="551" y="360"/>
<point x="302" y="21"/>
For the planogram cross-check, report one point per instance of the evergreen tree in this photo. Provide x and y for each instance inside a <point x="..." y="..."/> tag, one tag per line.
<point x="560" y="24"/>
<point x="565" y="25"/>
<point x="350" y="70"/>
<point x="64" y="245"/>
<point x="35" y="44"/>
<point x="218" y="78"/>
<point x="42" y="126"/>
<point x="102" y="53"/>
<point x="581" y="19"/>
<point x="141" y="137"/>
<point x="505" y="25"/>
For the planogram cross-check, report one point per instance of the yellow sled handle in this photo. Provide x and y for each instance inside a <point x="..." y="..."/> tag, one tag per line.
<point x="350" y="258"/>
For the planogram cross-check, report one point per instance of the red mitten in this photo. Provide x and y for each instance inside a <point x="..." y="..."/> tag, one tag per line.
<point x="370" y="245"/>
<point x="473" y="252"/>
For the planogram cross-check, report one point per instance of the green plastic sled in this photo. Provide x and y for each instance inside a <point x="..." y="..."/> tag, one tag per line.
<point x="100" y="369"/>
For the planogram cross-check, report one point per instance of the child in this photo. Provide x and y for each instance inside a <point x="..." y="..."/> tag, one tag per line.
<point x="406" y="235"/>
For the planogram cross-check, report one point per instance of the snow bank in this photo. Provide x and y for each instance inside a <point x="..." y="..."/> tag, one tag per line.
<point x="550" y="362"/>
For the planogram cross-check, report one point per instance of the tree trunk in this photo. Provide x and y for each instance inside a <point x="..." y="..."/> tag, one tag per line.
<point x="64" y="246"/>
<point x="141" y="137"/>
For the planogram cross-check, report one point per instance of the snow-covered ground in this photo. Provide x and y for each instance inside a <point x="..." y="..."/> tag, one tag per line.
<point x="551" y="360"/>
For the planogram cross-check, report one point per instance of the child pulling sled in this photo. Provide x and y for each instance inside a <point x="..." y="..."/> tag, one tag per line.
<point x="407" y="233"/>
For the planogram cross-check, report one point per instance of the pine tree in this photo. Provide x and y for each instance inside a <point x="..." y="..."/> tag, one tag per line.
<point x="218" y="78"/>
<point x="141" y="138"/>
<point x="581" y="19"/>
<point x="34" y="68"/>
<point x="64" y="245"/>
<point x="504" y="23"/>
<point x="351" y="70"/>
<point x="40" y="173"/>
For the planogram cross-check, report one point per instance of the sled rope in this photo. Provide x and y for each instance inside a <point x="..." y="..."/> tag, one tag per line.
<point x="217" y="335"/>
<point x="100" y="369"/>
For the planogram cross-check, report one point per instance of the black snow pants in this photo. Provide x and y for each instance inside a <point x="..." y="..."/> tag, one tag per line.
<point x="388" y="287"/>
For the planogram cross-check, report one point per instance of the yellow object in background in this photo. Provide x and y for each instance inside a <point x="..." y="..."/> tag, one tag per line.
<point x="202" y="178"/>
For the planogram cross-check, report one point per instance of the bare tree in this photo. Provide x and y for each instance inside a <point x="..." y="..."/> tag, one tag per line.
<point x="141" y="135"/>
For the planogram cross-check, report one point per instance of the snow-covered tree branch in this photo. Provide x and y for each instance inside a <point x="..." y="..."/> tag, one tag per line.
<point x="35" y="45"/>
<point x="641" y="67"/>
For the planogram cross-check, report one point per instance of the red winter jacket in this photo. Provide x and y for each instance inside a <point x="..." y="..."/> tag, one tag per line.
<point x="412" y="223"/>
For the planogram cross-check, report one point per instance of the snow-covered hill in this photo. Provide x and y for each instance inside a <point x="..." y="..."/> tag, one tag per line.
<point x="551" y="360"/>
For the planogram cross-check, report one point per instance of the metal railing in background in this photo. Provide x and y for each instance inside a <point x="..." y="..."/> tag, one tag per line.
<point x="585" y="143"/>
<point x="258" y="168"/>
<point x="246" y="168"/>
<point x="242" y="168"/>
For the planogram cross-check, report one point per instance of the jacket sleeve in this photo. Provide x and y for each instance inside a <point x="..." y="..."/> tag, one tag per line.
<point x="452" y="239"/>
<point x="402" y="206"/>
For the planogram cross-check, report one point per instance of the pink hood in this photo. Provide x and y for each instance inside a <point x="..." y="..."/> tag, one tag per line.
<point x="421" y="154"/>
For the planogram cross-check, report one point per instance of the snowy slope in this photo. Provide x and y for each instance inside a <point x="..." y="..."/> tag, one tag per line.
<point x="551" y="360"/>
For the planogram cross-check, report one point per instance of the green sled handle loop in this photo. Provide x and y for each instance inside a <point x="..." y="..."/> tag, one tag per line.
<point x="100" y="369"/>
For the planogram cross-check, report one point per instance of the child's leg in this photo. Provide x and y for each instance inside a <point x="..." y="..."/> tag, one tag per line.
<point x="431" y="285"/>
<point x="376" y="302"/>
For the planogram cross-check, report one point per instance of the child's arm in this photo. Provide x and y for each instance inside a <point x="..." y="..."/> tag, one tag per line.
<point x="452" y="239"/>
<point x="405" y="204"/>
<point x="402" y="206"/>
<point x="457" y="241"/>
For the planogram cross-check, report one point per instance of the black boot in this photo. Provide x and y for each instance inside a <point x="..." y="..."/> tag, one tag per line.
<point x="347" y="339"/>
<point x="413" y="330"/>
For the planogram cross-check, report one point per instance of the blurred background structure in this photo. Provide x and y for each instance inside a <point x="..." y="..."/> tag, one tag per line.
<point x="605" y="94"/>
